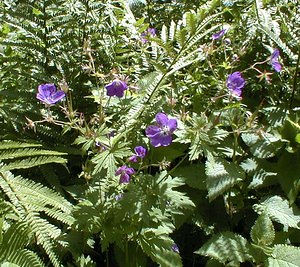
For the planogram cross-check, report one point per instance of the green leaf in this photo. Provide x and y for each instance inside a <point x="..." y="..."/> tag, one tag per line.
<point x="288" y="174"/>
<point x="221" y="175"/>
<point x="194" y="175"/>
<point x="226" y="247"/>
<point x="279" y="210"/>
<point x="159" y="248"/>
<point x="262" y="232"/>
<point x="263" y="146"/>
<point x="284" y="256"/>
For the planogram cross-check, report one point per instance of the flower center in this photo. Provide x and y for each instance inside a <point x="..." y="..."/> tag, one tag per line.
<point x="165" y="130"/>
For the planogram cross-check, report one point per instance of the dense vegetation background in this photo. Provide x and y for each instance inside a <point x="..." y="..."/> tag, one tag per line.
<point x="149" y="132"/>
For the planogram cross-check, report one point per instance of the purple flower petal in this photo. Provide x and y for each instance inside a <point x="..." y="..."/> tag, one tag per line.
<point x="152" y="130"/>
<point x="235" y="83"/>
<point x="219" y="34"/>
<point x="116" y="88"/>
<point x="161" y="135"/>
<point x="133" y="158"/>
<point x="274" y="61"/>
<point x="175" y="248"/>
<point x="120" y="170"/>
<point x="124" y="179"/>
<point x="172" y="124"/>
<point x="275" y="54"/>
<point x="58" y="96"/>
<point x="161" y="140"/>
<point x="47" y="93"/>
<point x="161" y="119"/>
<point x="140" y="151"/>
<point x="125" y="174"/>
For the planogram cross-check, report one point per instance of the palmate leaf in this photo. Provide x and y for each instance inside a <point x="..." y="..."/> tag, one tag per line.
<point x="279" y="210"/>
<point x="108" y="159"/>
<point x="284" y="256"/>
<point x="262" y="232"/>
<point x="221" y="175"/>
<point x="226" y="247"/>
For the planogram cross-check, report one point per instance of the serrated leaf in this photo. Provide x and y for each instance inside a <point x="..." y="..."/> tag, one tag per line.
<point x="279" y="210"/>
<point x="284" y="256"/>
<point x="221" y="175"/>
<point x="263" y="146"/>
<point x="262" y="232"/>
<point x="226" y="247"/>
<point x="159" y="248"/>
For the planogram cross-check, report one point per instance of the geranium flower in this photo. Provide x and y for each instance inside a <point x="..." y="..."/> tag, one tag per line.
<point x="274" y="61"/>
<point x="125" y="174"/>
<point x="219" y="34"/>
<point x="161" y="134"/>
<point x="140" y="152"/>
<point x="116" y="88"/>
<point x="48" y="94"/>
<point x="235" y="83"/>
<point x="150" y="32"/>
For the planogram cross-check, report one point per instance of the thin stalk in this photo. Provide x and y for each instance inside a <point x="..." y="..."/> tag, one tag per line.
<point x="295" y="80"/>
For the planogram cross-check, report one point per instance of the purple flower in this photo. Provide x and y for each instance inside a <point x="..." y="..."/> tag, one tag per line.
<point x="274" y="61"/>
<point x="150" y="32"/>
<point x="125" y="174"/>
<point x="175" y="248"/>
<point x="48" y="94"/>
<point x="235" y="83"/>
<point x="116" y="88"/>
<point x="219" y="34"/>
<point x="140" y="152"/>
<point x="161" y="134"/>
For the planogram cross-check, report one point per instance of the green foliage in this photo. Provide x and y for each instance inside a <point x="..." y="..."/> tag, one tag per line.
<point x="221" y="175"/>
<point x="262" y="232"/>
<point x="284" y="255"/>
<point x="227" y="248"/>
<point x="227" y="186"/>
<point x="280" y="211"/>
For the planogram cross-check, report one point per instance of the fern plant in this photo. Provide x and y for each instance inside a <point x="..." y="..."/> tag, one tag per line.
<point x="30" y="202"/>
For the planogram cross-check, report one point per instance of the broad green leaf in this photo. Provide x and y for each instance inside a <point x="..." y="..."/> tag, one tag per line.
<point x="194" y="175"/>
<point x="280" y="211"/>
<point x="221" y="175"/>
<point x="288" y="174"/>
<point x="159" y="248"/>
<point x="263" y="146"/>
<point x="284" y="256"/>
<point x="226" y="247"/>
<point x="262" y="232"/>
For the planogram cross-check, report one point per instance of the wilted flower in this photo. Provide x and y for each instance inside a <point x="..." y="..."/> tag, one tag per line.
<point x="235" y="83"/>
<point x="274" y="61"/>
<point x="219" y="34"/>
<point x="119" y="197"/>
<point x="140" y="152"/>
<point x="161" y="134"/>
<point x="150" y="32"/>
<point x="175" y="248"/>
<point x="125" y="174"/>
<point x="116" y="88"/>
<point x="48" y="94"/>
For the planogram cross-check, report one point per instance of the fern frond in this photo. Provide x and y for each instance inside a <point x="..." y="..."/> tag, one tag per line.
<point x="17" y="153"/>
<point x="32" y="162"/>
